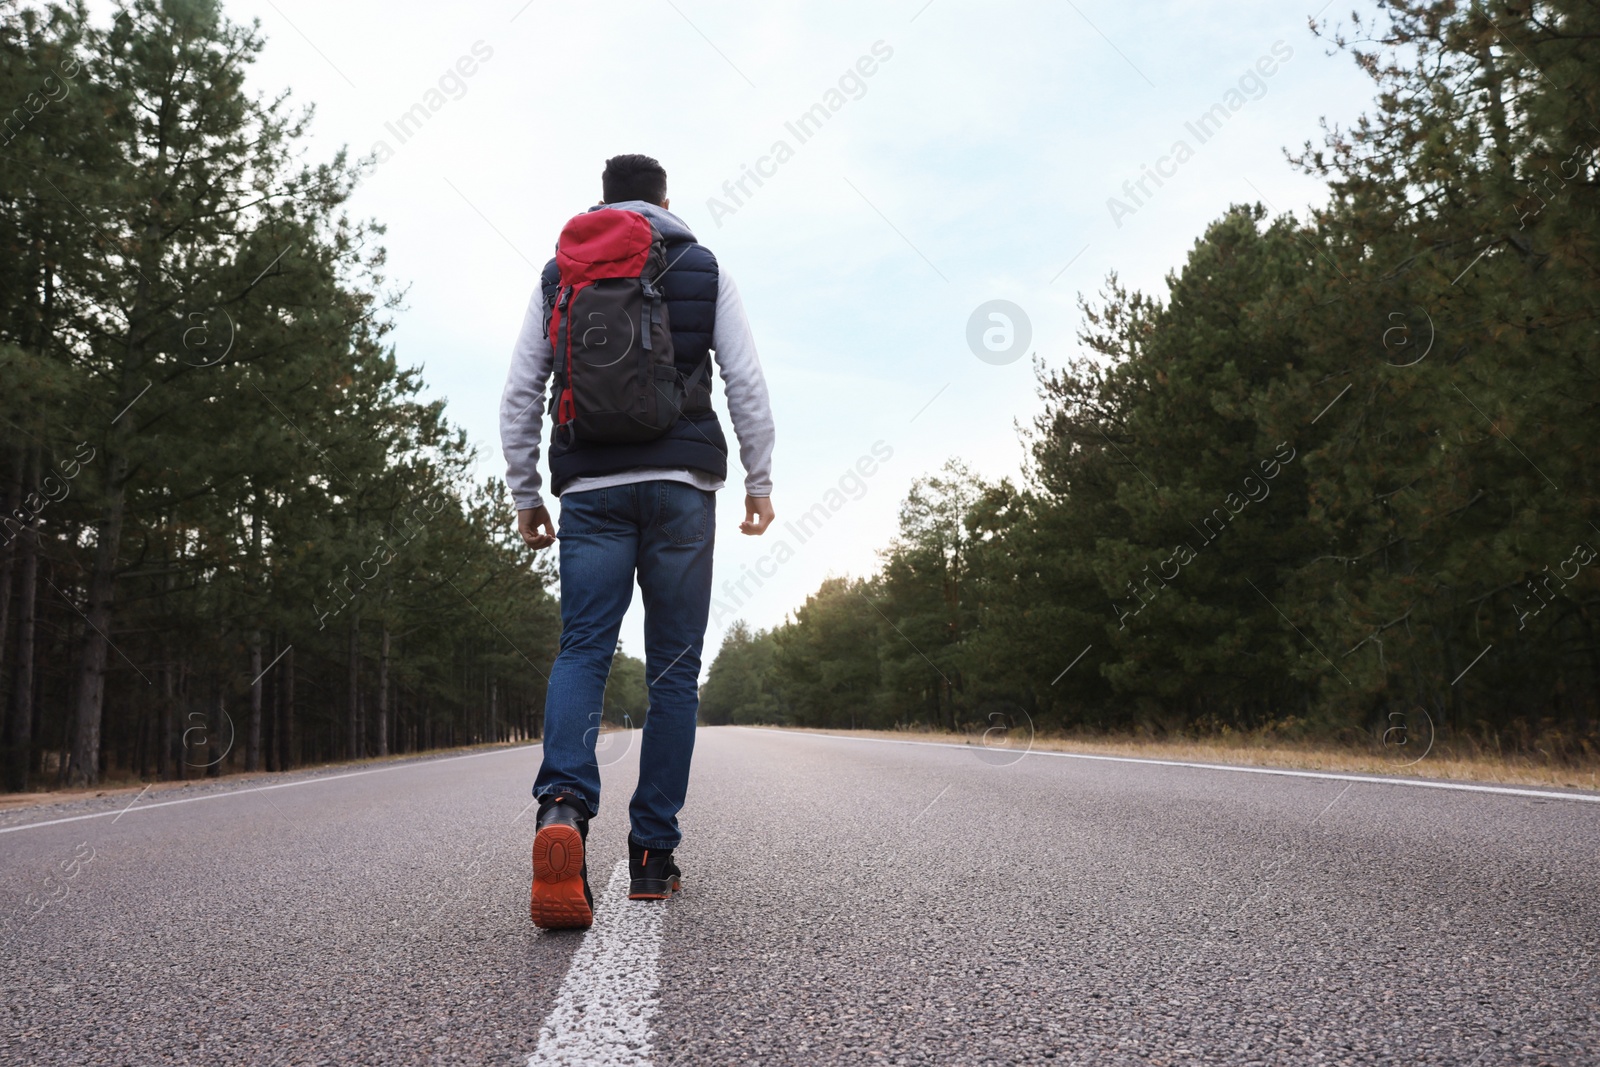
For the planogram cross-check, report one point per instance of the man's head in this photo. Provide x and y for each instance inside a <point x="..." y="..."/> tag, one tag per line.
<point x="634" y="177"/>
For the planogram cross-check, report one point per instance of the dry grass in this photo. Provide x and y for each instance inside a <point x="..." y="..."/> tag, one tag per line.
<point x="1460" y="766"/>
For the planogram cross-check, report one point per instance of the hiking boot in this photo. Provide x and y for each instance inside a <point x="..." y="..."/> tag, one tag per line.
<point x="561" y="896"/>
<point x="652" y="874"/>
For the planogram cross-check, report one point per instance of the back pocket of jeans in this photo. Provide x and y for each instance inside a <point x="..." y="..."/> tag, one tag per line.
<point x="684" y="513"/>
<point x="585" y="512"/>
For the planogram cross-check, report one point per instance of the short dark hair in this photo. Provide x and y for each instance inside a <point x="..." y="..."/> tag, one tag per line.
<point x="633" y="177"/>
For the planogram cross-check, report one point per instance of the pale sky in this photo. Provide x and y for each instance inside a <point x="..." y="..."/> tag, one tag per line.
<point x="974" y="163"/>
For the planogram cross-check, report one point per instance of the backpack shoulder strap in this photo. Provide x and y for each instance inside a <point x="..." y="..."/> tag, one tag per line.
<point x="549" y="285"/>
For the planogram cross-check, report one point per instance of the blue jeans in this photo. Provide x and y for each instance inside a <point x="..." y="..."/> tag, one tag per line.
<point x="663" y="531"/>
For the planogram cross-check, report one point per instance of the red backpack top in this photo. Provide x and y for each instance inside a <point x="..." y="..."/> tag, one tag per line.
<point x="616" y="379"/>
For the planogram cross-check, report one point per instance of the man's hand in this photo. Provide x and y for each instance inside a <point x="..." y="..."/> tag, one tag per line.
<point x="757" y="515"/>
<point x="536" y="528"/>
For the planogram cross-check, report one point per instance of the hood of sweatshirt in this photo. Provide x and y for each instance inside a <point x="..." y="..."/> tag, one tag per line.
<point x="671" y="226"/>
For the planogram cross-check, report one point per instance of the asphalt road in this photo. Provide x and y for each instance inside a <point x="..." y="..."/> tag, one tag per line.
<point x="845" y="902"/>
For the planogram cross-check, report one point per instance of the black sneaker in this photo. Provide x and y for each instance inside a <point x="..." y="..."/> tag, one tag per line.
<point x="652" y="874"/>
<point x="561" y="896"/>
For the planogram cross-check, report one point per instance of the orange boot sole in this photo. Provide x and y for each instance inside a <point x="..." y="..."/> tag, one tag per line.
<point x="558" y="899"/>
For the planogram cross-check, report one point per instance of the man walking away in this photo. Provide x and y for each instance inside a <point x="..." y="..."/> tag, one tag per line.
<point x="628" y="318"/>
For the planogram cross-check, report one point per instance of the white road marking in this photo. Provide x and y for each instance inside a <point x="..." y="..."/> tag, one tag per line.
<point x="607" y="1002"/>
<point x="1420" y="783"/>
<point x="410" y="765"/>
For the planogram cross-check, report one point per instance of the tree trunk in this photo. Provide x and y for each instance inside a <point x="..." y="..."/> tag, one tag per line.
<point x="252" y="745"/>
<point x="169" y="717"/>
<point x="19" y="750"/>
<point x="215" y="753"/>
<point x="91" y="685"/>
<point x="289" y="756"/>
<point x="91" y="682"/>
<point x="383" y="691"/>
<point x="138" y="755"/>
<point x="353" y="721"/>
<point x="274" y="745"/>
<point x="252" y="749"/>
<point x="12" y="504"/>
<point x="182" y="703"/>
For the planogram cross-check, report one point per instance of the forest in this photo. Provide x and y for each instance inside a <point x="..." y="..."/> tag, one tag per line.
<point x="235" y="535"/>
<point x="1337" y="480"/>
<point x="1339" y="475"/>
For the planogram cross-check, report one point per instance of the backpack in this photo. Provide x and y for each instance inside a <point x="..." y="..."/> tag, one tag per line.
<point x="617" y="381"/>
